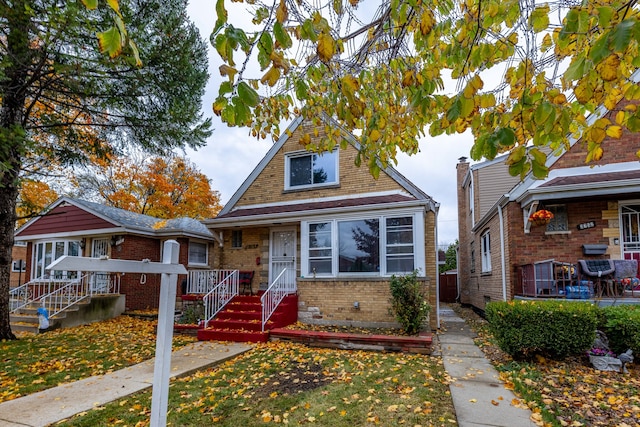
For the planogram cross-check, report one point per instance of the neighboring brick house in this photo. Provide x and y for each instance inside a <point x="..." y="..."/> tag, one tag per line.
<point x="80" y="228"/>
<point x="18" y="264"/>
<point x="597" y="205"/>
<point x="340" y="233"/>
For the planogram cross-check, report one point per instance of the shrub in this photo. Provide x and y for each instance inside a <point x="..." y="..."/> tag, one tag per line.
<point x="408" y="303"/>
<point x="621" y="325"/>
<point x="554" y="329"/>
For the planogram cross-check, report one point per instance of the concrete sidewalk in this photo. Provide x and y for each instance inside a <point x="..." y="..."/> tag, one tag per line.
<point x="58" y="403"/>
<point x="479" y="396"/>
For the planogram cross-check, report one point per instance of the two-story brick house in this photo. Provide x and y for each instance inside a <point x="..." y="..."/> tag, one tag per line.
<point x="596" y="211"/>
<point x="338" y="233"/>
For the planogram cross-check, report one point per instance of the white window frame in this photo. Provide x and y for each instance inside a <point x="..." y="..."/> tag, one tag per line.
<point x="206" y="253"/>
<point x="38" y="267"/>
<point x="298" y="154"/>
<point x="485" y="250"/>
<point x="418" y="243"/>
<point x="14" y="266"/>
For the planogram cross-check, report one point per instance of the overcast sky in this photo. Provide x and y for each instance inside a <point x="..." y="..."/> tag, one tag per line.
<point x="231" y="153"/>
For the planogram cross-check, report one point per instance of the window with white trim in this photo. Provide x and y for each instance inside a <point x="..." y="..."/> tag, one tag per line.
<point x="311" y="169"/>
<point x="485" y="249"/>
<point x="375" y="245"/>
<point x="18" y="266"/>
<point x="320" y="248"/>
<point x="198" y="253"/>
<point x="44" y="253"/>
<point x="400" y="251"/>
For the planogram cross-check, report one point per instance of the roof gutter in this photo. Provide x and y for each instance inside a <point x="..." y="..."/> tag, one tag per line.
<point x="251" y="220"/>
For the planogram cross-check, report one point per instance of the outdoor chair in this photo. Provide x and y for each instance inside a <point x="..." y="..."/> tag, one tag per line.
<point x="244" y="280"/>
<point x="626" y="276"/>
<point x="600" y="271"/>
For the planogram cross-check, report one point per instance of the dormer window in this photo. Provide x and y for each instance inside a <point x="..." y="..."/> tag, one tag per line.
<point x="306" y="169"/>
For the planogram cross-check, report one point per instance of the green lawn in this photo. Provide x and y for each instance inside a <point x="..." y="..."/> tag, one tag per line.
<point x="293" y="384"/>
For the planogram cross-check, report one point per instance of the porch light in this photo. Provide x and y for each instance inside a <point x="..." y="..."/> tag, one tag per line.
<point x="356" y="305"/>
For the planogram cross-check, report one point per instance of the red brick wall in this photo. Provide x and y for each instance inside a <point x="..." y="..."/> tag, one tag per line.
<point x="615" y="151"/>
<point x="139" y="296"/>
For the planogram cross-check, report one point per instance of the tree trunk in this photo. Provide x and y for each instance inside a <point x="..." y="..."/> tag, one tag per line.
<point x="13" y="89"/>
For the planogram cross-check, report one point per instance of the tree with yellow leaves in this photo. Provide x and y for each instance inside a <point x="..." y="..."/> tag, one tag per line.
<point x="523" y="75"/>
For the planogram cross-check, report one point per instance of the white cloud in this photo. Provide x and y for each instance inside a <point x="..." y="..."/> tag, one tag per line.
<point x="231" y="153"/>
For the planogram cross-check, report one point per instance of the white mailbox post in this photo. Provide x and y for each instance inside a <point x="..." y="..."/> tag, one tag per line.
<point x="169" y="268"/>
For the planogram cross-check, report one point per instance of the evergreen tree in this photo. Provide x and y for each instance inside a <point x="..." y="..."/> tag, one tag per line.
<point x="63" y="101"/>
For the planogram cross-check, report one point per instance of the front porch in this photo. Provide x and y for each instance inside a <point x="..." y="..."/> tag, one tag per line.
<point x="615" y="281"/>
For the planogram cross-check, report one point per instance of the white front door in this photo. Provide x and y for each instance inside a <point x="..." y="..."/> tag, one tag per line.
<point x="283" y="255"/>
<point x="100" y="281"/>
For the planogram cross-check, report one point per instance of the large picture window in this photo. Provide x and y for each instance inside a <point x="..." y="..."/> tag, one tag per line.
<point x="359" y="246"/>
<point x="311" y="169"/>
<point x="378" y="245"/>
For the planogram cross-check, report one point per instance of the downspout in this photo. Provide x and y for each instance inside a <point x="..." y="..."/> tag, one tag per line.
<point x="435" y="233"/>
<point x="502" y="257"/>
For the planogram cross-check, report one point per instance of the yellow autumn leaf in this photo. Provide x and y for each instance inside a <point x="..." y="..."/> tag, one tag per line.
<point x="597" y="135"/>
<point x="426" y="22"/>
<point x="609" y="68"/>
<point x="614" y="132"/>
<point x="226" y="70"/>
<point x="326" y="47"/>
<point x="374" y="135"/>
<point x="281" y="12"/>
<point x="620" y="117"/>
<point x="271" y="77"/>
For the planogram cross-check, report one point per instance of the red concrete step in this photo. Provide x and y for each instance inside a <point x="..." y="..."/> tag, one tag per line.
<point x="232" y="335"/>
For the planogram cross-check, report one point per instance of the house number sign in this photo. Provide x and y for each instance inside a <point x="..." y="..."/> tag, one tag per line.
<point x="585" y="225"/>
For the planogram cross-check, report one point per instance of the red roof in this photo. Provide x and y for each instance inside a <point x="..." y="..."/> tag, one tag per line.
<point x="300" y="207"/>
<point x="592" y="178"/>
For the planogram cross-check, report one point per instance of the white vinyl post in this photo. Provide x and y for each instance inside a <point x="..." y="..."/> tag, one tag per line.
<point x="162" y="368"/>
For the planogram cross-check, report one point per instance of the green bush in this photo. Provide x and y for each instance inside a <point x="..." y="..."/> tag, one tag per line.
<point x="554" y="329"/>
<point x="408" y="303"/>
<point x="621" y="325"/>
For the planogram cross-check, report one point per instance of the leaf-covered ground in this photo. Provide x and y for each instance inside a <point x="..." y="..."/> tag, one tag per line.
<point x="36" y="362"/>
<point x="291" y="384"/>
<point x="569" y="392"/>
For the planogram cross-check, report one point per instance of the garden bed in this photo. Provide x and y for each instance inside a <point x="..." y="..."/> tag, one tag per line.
<point x="355" y="341"/>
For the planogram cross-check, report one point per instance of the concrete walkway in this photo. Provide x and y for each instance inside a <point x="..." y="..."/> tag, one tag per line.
<point x="58" y="403"/>
<point x="479" y="396"/>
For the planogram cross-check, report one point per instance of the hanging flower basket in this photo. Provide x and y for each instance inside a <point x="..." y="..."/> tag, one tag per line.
<point x="541" y="217"/>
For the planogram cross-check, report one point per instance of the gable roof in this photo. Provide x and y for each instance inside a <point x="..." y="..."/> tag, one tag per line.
<point x="128" y="222"/>
<point x="229" y="210"/>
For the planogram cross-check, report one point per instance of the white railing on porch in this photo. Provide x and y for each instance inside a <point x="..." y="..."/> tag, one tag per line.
<point x="220" y="294"/>
<point x="59" y="293"/>
<point x="283" y="285"/>
<point x="203" y="281"/>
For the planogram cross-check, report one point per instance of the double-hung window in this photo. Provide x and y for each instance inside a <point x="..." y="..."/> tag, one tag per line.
<point x="311" y="169"/>
<point x="485" y="248"/>
<point x="197" y="253"/>
<point x="375" y="245"/>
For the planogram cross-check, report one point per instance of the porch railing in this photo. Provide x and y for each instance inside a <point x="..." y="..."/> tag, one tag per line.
<point x="283" y="285"/>
<point x="220" y="295"/>
<point x="203" y="281"/>
<point x="59" y="293"/>
<point x="67" y="295"/>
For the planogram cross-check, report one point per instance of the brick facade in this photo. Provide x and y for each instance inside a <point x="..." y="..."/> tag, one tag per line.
<point x="538" y="244"/>
<point x="269" y="187"/>
<point x="322" y="299"/>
